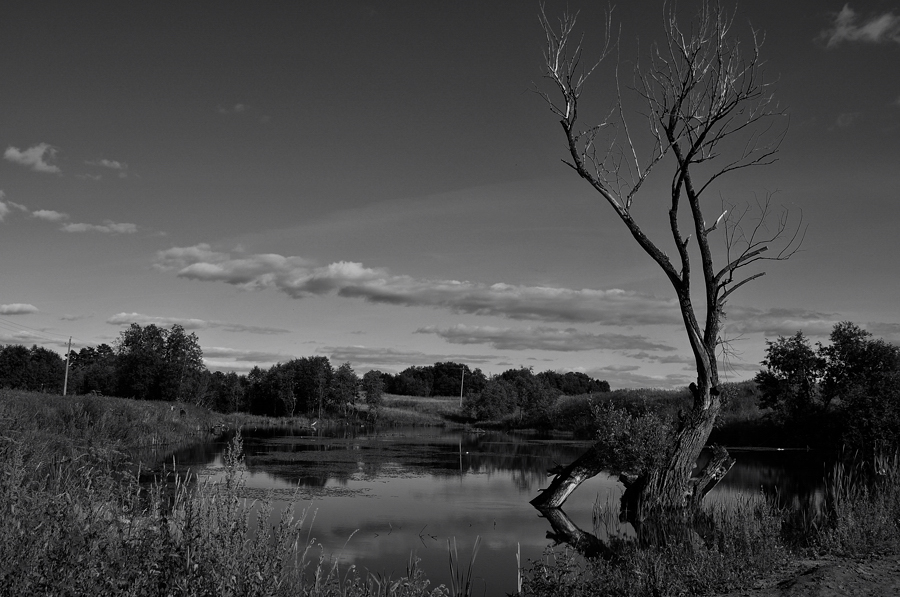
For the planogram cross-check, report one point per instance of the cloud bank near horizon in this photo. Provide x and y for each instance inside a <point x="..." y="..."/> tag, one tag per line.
<point x="542" y="338"/>
<point x="191" y="324"/>
<point x="300" y="278"/>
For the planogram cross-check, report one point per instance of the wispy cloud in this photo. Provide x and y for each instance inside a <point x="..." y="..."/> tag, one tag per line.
<point x="233" y="109"/>
<point x="107" y="227"/>
<point x="365" y="357"/>
<point x="541" y="338"/>
<point x="70" y="317"/>
<point x="17" y="309"/>
<point x="848" y="27"/>
<point x="299" y="278"/>
<point x="191" y="324"/>
<point x="6" y="207"/>
<point x="49" y="215"/>
<point x="779" y="322"/>
<point x="36" y="157"/>
<point x="120" y="167"/>
<point x="112" y="164"/>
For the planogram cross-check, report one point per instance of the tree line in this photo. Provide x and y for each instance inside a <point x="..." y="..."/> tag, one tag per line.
<point x="843" y="393"/>
<point x="155" y="363"/>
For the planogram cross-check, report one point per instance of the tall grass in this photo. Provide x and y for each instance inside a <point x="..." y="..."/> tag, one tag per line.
<point x="74" y="520"/>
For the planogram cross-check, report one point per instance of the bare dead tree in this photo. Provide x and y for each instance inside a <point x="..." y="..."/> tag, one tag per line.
<point x="706" y="112"/>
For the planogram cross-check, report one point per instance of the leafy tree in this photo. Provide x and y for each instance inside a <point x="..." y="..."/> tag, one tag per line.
<point x="496" y="400"/>
<point x="534" y="396"/>
<point x="790" y="382"/>
<point x="182" y="369"/>
<point x="343" y="389"/>
<point x="863" y="376"/>
<point x="153" y="363"/>
<point x="93" y="370"/>
<point x="414" y="381"/>
<point x="373" y="386"/>
<point x="573" y="383"/>
<point x="705" y="111"/>
<point x="37" y="369"/>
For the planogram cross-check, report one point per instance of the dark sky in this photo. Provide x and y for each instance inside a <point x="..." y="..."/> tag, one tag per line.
<point x="378" y="183"/>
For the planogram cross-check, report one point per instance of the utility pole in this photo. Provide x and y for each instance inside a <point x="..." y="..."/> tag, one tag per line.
<point x="461" y="383"/>
<point x="66" y="377"/>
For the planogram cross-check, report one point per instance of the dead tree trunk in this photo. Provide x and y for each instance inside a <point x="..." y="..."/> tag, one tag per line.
<point x="704" y="108"/>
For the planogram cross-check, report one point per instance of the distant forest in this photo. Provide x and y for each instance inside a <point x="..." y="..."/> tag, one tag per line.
<point x="155" y="363"/>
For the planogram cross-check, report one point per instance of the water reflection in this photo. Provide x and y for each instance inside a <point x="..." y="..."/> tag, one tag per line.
<point x="375" y="495"/>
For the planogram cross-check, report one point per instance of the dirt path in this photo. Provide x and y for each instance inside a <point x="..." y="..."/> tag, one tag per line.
<point x="832" y="578"/>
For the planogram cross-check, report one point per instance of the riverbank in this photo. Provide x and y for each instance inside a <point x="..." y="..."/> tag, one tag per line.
<point x="74" y="520"/>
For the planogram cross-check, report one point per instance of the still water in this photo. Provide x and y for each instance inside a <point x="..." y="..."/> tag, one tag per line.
<point x="376" y="495"/>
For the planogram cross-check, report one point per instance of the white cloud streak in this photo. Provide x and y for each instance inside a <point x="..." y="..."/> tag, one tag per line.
<point x="37" y="157"/>
<point x="848" y="27"/>
<point x="299" y="278"/>
<point x="17" y="309"/>
<point x="111" y="164"/>
<point x="365" y="358"/>
<point x="107" y="227"/>
<point x="191" y="324"/>
<point x="541" y="338"/>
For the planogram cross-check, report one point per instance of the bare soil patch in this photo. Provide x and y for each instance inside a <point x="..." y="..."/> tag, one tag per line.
<point x="831" y="577"/>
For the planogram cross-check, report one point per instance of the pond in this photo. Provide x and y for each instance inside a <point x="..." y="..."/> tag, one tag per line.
<point x="377" y="495"/>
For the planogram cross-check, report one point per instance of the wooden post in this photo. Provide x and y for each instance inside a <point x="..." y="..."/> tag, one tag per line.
<point x="66" y="377"/>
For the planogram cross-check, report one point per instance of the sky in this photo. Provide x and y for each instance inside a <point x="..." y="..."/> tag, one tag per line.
<point x="378" y="182"/>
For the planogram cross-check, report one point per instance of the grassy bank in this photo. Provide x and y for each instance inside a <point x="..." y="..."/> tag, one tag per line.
<point x="75" y="521"/>
<point x="413" y="410"/>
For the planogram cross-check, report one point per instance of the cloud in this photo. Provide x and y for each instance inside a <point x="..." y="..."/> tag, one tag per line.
<point x="107" y="227"/>
<point x="363" y="357"/>
<point x="191" y="324"/>
<point x="848" y="27"/>
<point x="17" y="309"/>
<point x="112" y="164"/>
<point x="49" y="215"/>
<point x="68" y="317"/>
<point x="299" y="278"/>
<point x="235" y="109"/>
<point x="6" y="207"/>
<point x="778" y="322"/>
<point x="89" y="176"/>
<point x="541" y="338"/>
<point x="34" y="157"/>
<point x="249" y="356"/>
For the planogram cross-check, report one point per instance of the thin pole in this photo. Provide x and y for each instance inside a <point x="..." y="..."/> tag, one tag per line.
<point x="68" y="358"/>
<point x="461" y="383"/>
